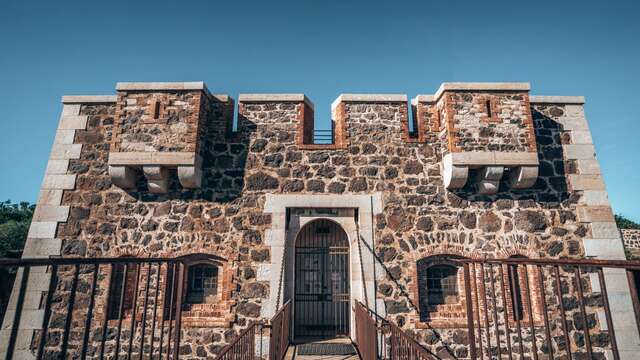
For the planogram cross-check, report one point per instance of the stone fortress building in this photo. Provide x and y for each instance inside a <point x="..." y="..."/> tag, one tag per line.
<point x="376" y="214"/>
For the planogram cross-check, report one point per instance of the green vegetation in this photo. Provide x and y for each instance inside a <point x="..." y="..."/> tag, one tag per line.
<point x="14" y="225"/>
<point x="624" y="223"/>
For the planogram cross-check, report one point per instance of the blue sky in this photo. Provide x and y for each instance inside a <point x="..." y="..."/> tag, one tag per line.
<point x="320" y="48"/>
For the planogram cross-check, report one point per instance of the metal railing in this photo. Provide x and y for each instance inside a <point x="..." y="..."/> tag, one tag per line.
<point x="366" y="333"/>
<point x="541" y="308"/>
<point x="280" y="332"/>
<point x="405" y="347"/>
<point x="85" y="314"/>
<point x="323" y="136"/>
<point x="243" y="347"/>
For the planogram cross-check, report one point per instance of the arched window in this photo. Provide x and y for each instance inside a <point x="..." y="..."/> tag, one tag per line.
<point x="438" y="286"/>
<point x="121" y="287"/>
<point x="202" y="283"/>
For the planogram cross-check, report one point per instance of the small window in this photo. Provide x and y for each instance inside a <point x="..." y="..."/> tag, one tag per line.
<point x="442" y="284"/>
<point x="121" y="287"/>
<point x="202" y="284"/>
<point x="515" y="290"/>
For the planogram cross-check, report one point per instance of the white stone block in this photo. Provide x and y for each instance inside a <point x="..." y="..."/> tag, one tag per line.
<point x="70" y="109"/>
<point x="44" y="213"/>
<point x="573" y="123"/>
<point x="579" y="152"/>
<point x="64" y="137"/>
<point x="57" y="167"/>
<point x="608" y="249"/>
<point x="41" y="248"/>
<point x="42" y="229"/>
<point x="59" y="182"/>
<point x="605" y="230"/>
<point x="588" y="167"/>
<point x="77" y="122"/>
<point x="65" y="151"/>
<point x="50" y="197"/>
<point x="581" y="137"/>
<point x="595" y="198"/>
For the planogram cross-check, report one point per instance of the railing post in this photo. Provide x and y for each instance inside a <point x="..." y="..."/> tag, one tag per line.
<point x="470" y="326"/>
<point x="176" y="340"/>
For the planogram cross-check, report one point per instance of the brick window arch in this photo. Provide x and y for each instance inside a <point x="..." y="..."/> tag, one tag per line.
<point x="440" y="280"/>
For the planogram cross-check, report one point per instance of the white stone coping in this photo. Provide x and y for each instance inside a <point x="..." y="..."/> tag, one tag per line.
<point x="133" y="158"/>
<point x="487" y="158"/>
<point x="222" y="97"/>
<point x="369" y="98"/>
<point x="423" y="99"/>
<point x="259" y="98"/>
<point x="557" y="99"/>
<point x="88" y="99"/>
<point x="498" y="86"/>
<point x="192" y="85"/>
<point x="278" y="202"/>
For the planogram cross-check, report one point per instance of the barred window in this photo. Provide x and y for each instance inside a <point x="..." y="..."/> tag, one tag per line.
<point x="202" y="283"/>
<point x="442" y="284"/>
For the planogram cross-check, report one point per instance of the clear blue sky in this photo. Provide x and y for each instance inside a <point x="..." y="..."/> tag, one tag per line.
<point x="321" y="48"/>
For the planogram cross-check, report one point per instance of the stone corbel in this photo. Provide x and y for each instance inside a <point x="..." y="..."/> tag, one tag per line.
<point x="123" y="176"/>
<point x="157" y="178"/>
<point x="454" y="176"/>
<point x="190" y="176"/>
<point x="488" y="180"/>
<point x="523" y="177"/>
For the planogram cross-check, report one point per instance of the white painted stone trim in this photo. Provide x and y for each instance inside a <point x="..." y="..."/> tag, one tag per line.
<point x="498" y="86"/>
<point x="144" y="86"/>
<point x="369" y="98"/>
<point x="88" y="99"/>
<point x="538" y="99"/>
<point x="423" y="99"/>
<point x="279" y="238"/>
<point x="261" y="98"/>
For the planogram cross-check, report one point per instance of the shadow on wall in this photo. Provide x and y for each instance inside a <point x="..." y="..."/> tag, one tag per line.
<point x="224" y="160"/>
<point x="551" y="186"/>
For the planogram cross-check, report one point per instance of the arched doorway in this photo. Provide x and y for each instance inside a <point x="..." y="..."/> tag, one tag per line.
<point x="321" y="297"/>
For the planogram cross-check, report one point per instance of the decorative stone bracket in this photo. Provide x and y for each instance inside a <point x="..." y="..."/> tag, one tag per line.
<point x="490" y="164"/>
<point x="124" y="169"/>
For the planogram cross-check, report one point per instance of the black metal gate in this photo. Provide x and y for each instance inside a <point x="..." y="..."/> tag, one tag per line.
<point x="321" y="281"/>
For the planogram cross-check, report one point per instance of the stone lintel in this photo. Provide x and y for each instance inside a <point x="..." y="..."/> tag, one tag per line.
<point x="460" y="86"/>
<point x="556" y="99"/>
<point x="262" y="98"/>
<point x="88" y="99"/>
<point x="369" y="98"/>
<point x="133" y="158"/>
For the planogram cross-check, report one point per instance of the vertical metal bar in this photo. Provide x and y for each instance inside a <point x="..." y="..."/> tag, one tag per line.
<point x="634" y="296"/>
<point x="105" y="321"/>
<point x="563" y="314"/>
<point x="534" y="346"/>
<point x="16" y="316"/>
<point x="515" y="298"/>
<point x="545" y="316"/>
<point x="123" y="290"/>
<point x="485" y="305"/>
<point x="144" y="310"/>
<point x="477" y="313"/>
<point x="607" y="312"/>
<point x="70" y="304"/>
<point x="155" y="311"/>
<point x="470" y="327"/>
<point x="47" y="311"/>
<point x="583" y="311"/>
<point x="87" y="324"/>
<point x="503" y="291"/>
<point x="171" y="297"/>
<point x="176" y="341"/>
<point x="134" y="307"/>
<point x="495" y="309"/>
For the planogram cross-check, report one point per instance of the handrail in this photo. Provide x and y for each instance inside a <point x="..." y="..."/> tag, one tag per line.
<point x="60" y="261"/>
<point x="279" y="338"/>
<point x="626" y="264"/>
<point x="246" y="348"/>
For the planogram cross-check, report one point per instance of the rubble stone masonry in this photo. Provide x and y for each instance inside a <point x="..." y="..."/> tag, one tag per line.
<point x="564" y="214"/>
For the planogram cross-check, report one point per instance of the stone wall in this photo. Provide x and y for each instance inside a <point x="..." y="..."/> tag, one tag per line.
<point x="377" y="154"/>
<point x="631" y="238"/>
